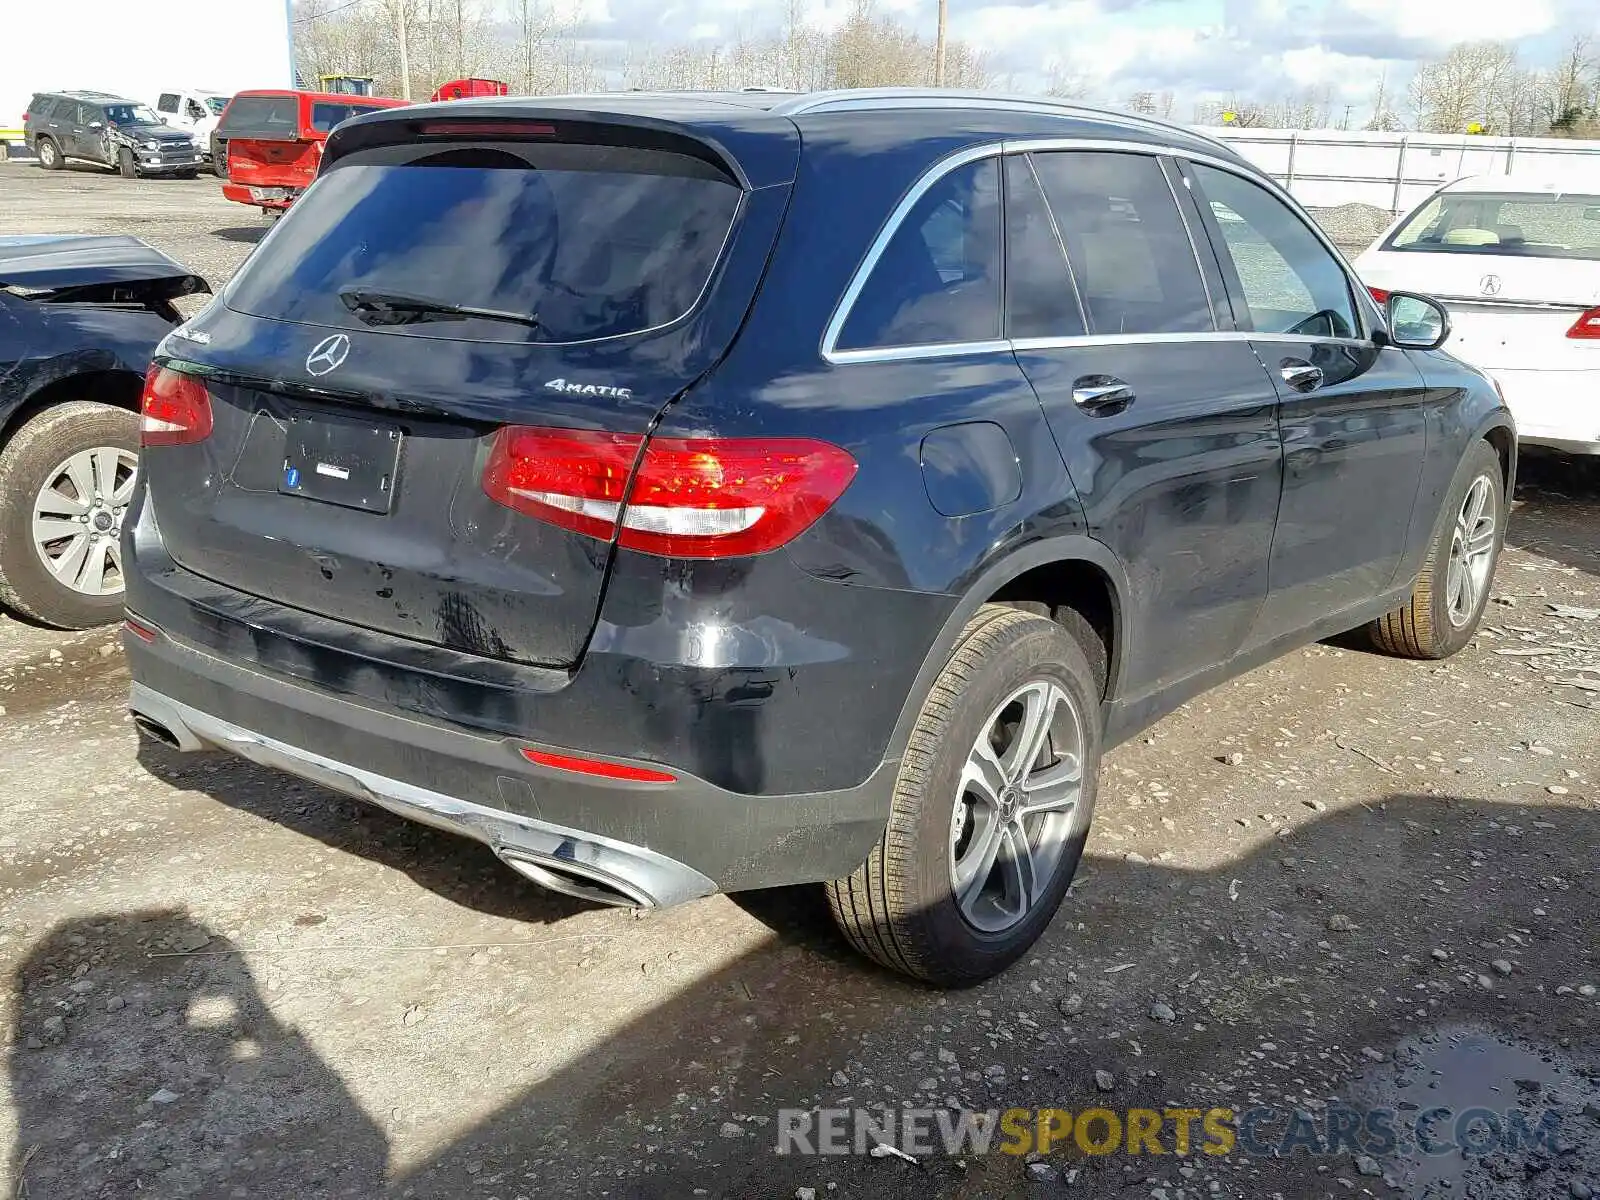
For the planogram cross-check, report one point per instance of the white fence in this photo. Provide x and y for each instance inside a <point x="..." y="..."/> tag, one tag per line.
<point x="1324" y="168"/>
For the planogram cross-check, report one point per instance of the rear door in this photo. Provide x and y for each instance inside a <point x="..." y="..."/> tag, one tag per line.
<point x="345" y="473"/>
<point x="1167" y="423"/>
<point x="82" y="140"/>
<point x="1351" y="413"/>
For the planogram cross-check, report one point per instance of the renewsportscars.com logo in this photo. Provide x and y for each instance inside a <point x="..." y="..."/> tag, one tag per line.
<point x="1262" y="1131"/>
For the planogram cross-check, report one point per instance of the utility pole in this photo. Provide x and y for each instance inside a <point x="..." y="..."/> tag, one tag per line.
<point x="938" y="45"/>
<point x="405" y="48"/>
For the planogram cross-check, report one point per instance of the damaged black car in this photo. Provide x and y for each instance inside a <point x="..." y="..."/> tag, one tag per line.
<point x="79" y="319"/>
<point x="101" y="128"/>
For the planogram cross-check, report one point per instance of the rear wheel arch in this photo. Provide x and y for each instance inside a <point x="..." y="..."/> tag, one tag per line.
<point x="1057" y="577"/>
<point x="1504" y="440"/>
<point x="119" y="389"/>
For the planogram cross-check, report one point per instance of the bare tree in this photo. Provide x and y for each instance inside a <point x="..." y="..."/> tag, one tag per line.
<point x="1384" y="118"/>
<point x="1572" y="95"/>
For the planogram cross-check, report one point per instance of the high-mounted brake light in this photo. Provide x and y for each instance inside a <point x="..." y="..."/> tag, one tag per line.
<point x="688" y="498"/>
<point x="175" y="409"/>
<point x="1587" y="326"/>
<point x="487" y="129"/>
<point x="1380" y="295"/>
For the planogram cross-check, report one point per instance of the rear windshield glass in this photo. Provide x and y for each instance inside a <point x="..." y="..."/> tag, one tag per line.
<point x="326" y="114"/>
<point x="263" y="116"/>
<point x="576" y="242"/>
<point x="1540" y="226"/>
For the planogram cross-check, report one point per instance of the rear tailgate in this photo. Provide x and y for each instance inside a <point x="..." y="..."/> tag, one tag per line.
<point x="344" y="472"/>
<point x="260" y="163"/>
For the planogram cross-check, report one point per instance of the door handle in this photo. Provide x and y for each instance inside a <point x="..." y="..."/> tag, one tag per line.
<point x="1101" y="395"/>
<point x="1300" y="375"/>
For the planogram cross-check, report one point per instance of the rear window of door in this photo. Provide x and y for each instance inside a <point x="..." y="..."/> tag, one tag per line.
<point x="167" y="102"/>
<point x="1287" y="278"/>
<point x="1041" y="301"/>
<point x="584" y="242"/>
<point x="326" y="114"/>
<point x="937" y="281"/>
<point x="1130" y="251"/>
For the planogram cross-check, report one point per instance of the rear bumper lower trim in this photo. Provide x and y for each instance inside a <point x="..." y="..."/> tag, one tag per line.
<point x="643" y="876"/>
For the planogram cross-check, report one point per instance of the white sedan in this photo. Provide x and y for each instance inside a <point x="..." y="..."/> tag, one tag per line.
<point x="1517" y="264"/>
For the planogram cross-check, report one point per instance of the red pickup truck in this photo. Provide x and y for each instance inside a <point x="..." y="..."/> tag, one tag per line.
<point x="271" y="141"/>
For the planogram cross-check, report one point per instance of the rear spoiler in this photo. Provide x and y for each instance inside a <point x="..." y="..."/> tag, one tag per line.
<point x="109" y="269"/>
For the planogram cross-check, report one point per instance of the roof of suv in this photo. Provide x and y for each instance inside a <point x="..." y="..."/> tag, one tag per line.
<point x="1018" y="116"/>
<point x="91" y="97"/>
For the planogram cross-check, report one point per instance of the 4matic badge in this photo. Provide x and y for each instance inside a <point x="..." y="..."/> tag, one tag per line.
<point x="573" y="388"/>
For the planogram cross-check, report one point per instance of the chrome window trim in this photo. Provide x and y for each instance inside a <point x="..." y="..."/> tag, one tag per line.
<point x="971" y="154"/>
<point x="841" y="310"/>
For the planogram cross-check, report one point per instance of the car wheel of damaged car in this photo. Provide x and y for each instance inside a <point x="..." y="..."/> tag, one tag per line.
<point x="991" y="808"/>
<point x="66" y="479"/>
<point x="49" y="155"/>
<point x="126" y="167"/>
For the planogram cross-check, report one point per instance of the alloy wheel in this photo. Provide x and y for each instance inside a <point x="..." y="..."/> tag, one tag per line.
<point x="1472" y="544"/>
<point x="77" y="519"/>
<point x="1018" y="806"/>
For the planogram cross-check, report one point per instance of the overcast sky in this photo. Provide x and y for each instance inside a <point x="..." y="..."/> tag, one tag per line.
<point x="1195" y="48"/>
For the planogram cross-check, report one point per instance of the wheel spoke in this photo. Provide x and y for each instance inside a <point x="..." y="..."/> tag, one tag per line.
<point x="124" y="490"/>
<point x="69" y="562"/>
<point x="1016" y="861"/>
<point x="103" y="473"/>
<point x="92" y="579"/>
<point x="1054" y="789"/>
<point x="1033" y="733"/>
<point x="52" y="500"/>
<point x="50" y="529"/>
<point x="1472" y="510"/>
<point x="1481" y="541"/>
<point x="114" y="553"/>
<point x="80" y="469"/>
<point x="1469" y="592"/>
<point x="975" y="866"/>
<point x="984" y="773"/>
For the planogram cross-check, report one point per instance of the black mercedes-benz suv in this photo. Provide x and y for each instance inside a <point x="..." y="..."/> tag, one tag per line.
<point x="683" y="493"/>
<point x="98" y="127"/>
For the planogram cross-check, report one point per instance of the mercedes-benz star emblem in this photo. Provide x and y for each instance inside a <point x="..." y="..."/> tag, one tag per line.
<point x="1489" y="285"/>
<point x="328" y="354"/>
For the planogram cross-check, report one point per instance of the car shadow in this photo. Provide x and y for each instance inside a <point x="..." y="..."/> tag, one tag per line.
<point x="248" y="234"/>
<point x="1304" y="969"/>
<point x="1558" y="509"/>
<point x="459" y="869"/>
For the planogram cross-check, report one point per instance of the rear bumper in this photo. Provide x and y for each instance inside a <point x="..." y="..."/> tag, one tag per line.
<point x="1557" y="409"/>
<point x="241" y="194"/>
<point x="641" y="843"/>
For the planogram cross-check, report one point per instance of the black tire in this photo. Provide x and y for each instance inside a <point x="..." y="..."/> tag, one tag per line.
<point x="899" y="907"/>
<point x="50" y="158"/>
<point x="1425" y="627"/>
<point x="126" y="166"/>
<point x="50" y="438"/>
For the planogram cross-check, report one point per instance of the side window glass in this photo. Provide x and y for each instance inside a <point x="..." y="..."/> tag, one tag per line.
<point x="1291" y="283"/>
<point x="196" y="113"/>
<point x="167" y="102"/>
<point x="87" y="115"/>
<point x="938" y="279"/>
<point x="1130" y="252"/>
<point x="1040" y="298"/>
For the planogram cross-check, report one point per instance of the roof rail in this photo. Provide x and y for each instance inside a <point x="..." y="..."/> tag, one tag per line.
<point x="869" y="99"/>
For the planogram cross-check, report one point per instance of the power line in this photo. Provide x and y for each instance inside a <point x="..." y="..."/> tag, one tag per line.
<point x="317" y="16"/>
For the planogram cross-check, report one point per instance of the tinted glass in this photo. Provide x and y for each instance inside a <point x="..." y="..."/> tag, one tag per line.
<point x="43" y="107"/>
<point x="595" y="242"/>
<point x="938" y="279"/>
<point x="1291" y="283"/>
<point x="1040" y="300"/>
<point x="263" y="116"/>
<point x="167" y="102"/>
<point x="1130" y="253"/>
<point x="1551" y="226"/>
<point x="87" y="114"/>
<point x="131" y="114"/>
<point x="325" y="115"/>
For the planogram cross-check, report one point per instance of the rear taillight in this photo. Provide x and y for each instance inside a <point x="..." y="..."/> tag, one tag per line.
<point x="689" y="497"/>
<point x="175" y="409"/>
<point x="1378" y="294"/>
<point x="1587" y="326"/>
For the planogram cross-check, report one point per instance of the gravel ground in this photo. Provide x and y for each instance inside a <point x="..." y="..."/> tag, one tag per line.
<point x="1340" y="879"/>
